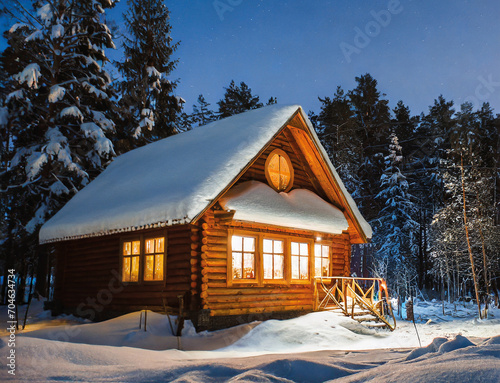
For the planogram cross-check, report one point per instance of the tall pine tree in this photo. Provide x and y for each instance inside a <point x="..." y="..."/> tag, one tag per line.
<point x="395" y="227"/>
<point x="150" y="110"/>
<point x="58" y="103"/>
<point x="373" y="118"/>
<point x="338" y="131"/>
<point x="238" y="99"/>
<point x="202" y="114"/>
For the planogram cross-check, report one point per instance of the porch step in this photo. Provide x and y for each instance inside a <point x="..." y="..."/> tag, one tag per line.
<point x="375" y="324"/>
<point x="360" y="315"/>
<point x="366" y="318"/>
<point x="354" y="297"/>
<point x="357" y="311"/>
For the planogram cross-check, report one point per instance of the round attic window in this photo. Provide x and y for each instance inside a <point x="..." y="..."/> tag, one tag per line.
<point x="279" y="170"/>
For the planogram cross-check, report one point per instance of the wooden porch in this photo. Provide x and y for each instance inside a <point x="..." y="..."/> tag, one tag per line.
<point x="363" y="299"/>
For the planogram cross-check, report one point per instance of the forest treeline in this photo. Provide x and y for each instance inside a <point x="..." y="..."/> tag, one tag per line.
<point x="428" y="183"/>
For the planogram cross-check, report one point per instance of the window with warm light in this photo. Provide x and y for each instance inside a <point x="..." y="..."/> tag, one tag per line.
<point x="322" y="260"/>
<point x="143" y="260"/>
<point x="274" y="259"/>
<point x="131" y="254"/>
<point x="243" y="257"/>
<point x="279" y="170"/>
<point x="153" y="259"/>
<point x="268" y="259"/>
<point x="300" y="260"/>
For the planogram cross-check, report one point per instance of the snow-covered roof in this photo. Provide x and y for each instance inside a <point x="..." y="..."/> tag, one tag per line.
<point x="173" y="180"/>
<point x="254" y="201"/>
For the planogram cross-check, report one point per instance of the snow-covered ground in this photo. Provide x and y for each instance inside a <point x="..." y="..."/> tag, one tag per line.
<point x="316" y="347"/>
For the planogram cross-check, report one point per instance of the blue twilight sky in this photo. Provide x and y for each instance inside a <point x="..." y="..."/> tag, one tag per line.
<point x="299" y="50"/>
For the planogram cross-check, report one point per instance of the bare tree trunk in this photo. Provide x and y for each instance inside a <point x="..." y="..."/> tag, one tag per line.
<point x="448" y="279"/>
<point x="468" y="239"/>
<point x="485" y="263"/>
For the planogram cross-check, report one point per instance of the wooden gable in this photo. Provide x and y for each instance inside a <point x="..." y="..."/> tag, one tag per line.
<point x="310" y="170"/>
<point x="324" y="177"/>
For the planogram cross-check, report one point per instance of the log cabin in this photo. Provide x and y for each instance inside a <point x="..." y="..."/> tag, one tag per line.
<point x="232" y="221"/>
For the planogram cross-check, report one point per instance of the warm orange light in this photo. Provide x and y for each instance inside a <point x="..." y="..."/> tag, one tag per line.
<point x="279" y="170"/>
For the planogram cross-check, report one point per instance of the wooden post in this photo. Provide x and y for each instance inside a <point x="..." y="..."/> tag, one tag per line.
<point x="180" y="319"/>
<point x="315" y="295"/>
<point x="145" y="319"/>
<point x="345" y="294"/>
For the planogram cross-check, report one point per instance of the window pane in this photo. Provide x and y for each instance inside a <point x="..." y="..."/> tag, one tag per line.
<point x="159" y="267"/>
<point x="237" y="243"/>
<point x="317" y="267"/>
<point x="317" y="250"/>
<point x="126" y="269"/>
<point x="160" y="245"/>
<point x="284" y="173"/>
<point x="150" y="246"/>
<point x="304" y="268"/>
<point x="127" y="248"/>
<point x="249" y="266"/>
<point x="273" y="169"/>
<point x="278" y="266"/>
<point x="284" y="169"/>
<point x="274" y="164"/>
<point x="326" y="266"/>
<point x="134" y="275"/>
<point x="278" y="247"/>
<point x="325" y="251"/>
<point x="304" y="249"/>
<point x="295" y="267"/>
<point x="268" y="266"/>
<point x="237" y="265"/>
<point x="136" y="247"/>
<point x="295" y="248"/>
<point x="268" y="246"/>
<point x="249" y="244"/>
<point x="148" y="270"/>
<point x="275" y="179"/>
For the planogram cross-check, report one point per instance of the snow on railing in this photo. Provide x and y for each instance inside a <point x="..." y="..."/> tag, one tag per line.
<point x="348" y="293"/>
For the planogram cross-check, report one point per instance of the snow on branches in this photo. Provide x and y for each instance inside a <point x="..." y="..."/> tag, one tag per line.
<point x="60" y="102"/>
<point x="29" y="75"/>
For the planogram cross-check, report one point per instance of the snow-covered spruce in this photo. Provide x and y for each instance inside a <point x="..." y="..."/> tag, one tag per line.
<point x="395" y="226"/>
<point x="149" y="108"/>
<point x="58" y="106"/>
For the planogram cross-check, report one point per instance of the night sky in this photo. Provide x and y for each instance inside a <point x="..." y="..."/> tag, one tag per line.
<point x="299" y="50"/>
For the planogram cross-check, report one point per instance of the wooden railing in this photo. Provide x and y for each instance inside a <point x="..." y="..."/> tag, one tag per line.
<point x="347" y="293"/>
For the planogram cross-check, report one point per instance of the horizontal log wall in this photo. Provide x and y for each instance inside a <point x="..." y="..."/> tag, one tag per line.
<point x="88" y="273"/>
<point x="241" y="299"/>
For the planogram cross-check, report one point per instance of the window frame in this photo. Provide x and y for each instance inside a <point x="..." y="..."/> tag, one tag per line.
<point x="310" y="243"/>
<point x="329" y="245"/>
<point x="142" y="257"/>
<point x="275" y="237"/>
<point x="246" y="281"/>
<point x="122" y="257"/>
<point x="283" y="154"/>
<point x="145" y="255"/>
<point x="259" y="280"/>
